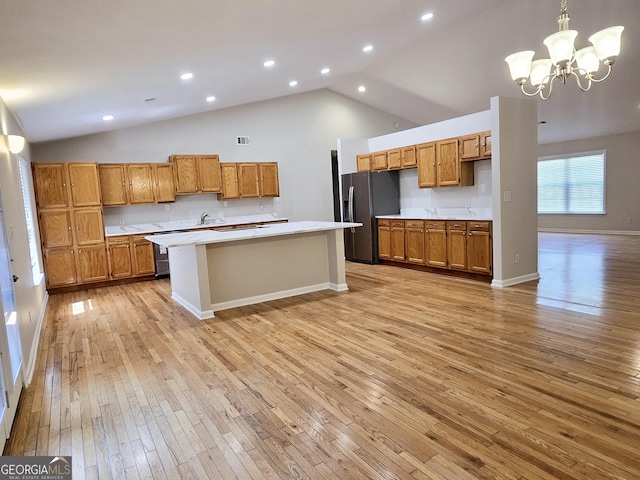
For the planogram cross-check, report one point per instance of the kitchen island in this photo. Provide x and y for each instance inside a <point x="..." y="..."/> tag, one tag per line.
<point x="219" y="269"/>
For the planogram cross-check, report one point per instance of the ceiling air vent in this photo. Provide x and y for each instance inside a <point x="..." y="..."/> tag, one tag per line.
<point x="243" y="141"/>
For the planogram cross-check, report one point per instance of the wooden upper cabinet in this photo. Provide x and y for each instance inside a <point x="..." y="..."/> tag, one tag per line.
<point x="448" y="170"/>
<point x="84" y="184"/>
<point x="140" y="183"/>
<point x="229" y="173"/>
<point x="408" y="156"/>
<point x="427" y="168"/>
<point x="113" y="184"/>
<point x="165" y="190"/>
<point x="89" y="226"/>
<point x="363" y="162"/>
<point x="50" y="182"/>
<point x="485" y="145"/>
<point x="248" y="180"/>
<point x="394" y="158"/>
<point x="269" y="184"/>
<point x="56" y="228"/>
<point x="379" y="161"/>
<point x="209" y="177"/>
<point x="475" y="147"/>
<point x="185" y="173"/>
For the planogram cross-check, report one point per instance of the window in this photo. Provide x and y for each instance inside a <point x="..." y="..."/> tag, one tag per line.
<point x="572" y="184"/>
<point x="25" y="181"/>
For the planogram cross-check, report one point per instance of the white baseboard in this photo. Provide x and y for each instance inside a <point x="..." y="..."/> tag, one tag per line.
<point x="515" y="280"/>
<point x="199" y="314"/>
<point x="27" y="373"/>
<point x="589" y="232"/>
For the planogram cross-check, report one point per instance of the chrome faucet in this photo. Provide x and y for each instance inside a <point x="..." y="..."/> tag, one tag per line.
<point x="203" y="217"/>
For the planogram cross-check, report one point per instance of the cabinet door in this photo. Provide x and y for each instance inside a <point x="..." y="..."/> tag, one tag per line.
<point x="113" y="184"/>
<point x="379" y="161"/>
<point x="248" y="180"/>
<point x="470" y="147"/>
<point x="397" y="240"/>
<point x="229" y="173"/>
<point x="269" y="186"/>
<point x="364" y="162"/>
<point x="414" y="236"/>
<point x="84" y="183"/>
<point x="55" y="228"/>
<point x="409" y="156"/>
<point x="143" y="261"/>
<point x="436" y="244"/>
<point x="394" y="158"/>
<point x="209" y="179"/>
<point x="120" y="264"/>
<point x="479" y="247"/>
<point x="384" y="239"/>
<point x="140" y="184"/>
<point x="485" y="145"/>
<point x="457" y="245"/>
<point x="448" y="171"/>
<point x="165" y="190"/>
<point x="185" y="173"/>
<point x="93" y="264"/>
<point x="60" y="267"/>
<point x="50" y="184"/>
<point x="426" y="159"/>
<point x="89" y="226"/>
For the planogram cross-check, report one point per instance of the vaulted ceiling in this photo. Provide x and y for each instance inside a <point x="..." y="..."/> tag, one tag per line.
<point x="65" y="64"/>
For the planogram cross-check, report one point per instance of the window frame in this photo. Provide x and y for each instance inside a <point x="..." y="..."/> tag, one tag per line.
<point x="568" y="157"/>
<point x="26" y="185"/>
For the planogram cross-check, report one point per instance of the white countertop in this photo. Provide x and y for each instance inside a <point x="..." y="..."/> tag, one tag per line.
<point x="191" y="224"/>
<point x="471" y="218"/>
<point x="449" y="213"/>
<point x="204" y="237"/>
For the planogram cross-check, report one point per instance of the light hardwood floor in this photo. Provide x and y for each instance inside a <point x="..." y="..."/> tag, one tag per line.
<point x="409" y="375"/>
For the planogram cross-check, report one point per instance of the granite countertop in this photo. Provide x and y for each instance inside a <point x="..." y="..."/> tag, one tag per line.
<point x="191" y="224"/>
<point x="204" y="237"/>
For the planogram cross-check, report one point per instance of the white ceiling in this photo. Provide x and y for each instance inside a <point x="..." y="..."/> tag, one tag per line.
<point x="66" y="63"/>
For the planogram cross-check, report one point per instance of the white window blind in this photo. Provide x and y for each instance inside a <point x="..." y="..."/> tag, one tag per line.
<point x="572" y="184"/>
<point x="25" y="181"/>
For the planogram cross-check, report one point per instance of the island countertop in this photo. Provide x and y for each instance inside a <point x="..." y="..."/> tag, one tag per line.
<point x="204" y="237"/>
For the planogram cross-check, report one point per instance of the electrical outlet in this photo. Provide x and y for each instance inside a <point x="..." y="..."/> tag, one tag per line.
<point x="167" y="207"/>
<point x="121" y="221"/>
<point x="483" y="188"/>
<point x="225" y="204"/>
<point x="516" y="258"/>
<point x="629" y="221"/>
<point x="507" y="195"/>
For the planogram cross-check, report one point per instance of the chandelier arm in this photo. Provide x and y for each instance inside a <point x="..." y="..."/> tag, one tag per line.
<point x="579" y="81"/>
<point x="596" y="80"/>
<point x="538" y="90"/>
<point x="542" y="95"/>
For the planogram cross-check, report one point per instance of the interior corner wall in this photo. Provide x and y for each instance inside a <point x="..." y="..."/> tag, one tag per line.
<point x="30" y="299"/>
<point x="514" y="178"/>
<point x="622" y="177"/>
<point x="297" y="131"/>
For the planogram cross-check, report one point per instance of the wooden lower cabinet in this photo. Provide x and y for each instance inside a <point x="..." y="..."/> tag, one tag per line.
<point x="143" y="261"/>
<point x="397" y="240"/>
<point x="479" y="247"/>
<point x="414" y="238"/>
<point x="457" y="245"/>
<point x="120" y="264"/>
<point x="436" y="244"/>
<point x="384" y="239"/>
<point x="93" y="265"/>
<point x="60" y="267"/>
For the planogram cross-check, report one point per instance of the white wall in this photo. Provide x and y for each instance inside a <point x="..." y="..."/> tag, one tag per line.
<point x="30" y="299"/>
<point x="298" y="132"/>
<point x="622" y="181"/>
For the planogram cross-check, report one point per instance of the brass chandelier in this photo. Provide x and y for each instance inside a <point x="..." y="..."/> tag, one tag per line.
<point x="565" y="61"/>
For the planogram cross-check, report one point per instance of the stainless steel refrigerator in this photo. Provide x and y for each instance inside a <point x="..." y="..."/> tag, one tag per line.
<point x="365" y="195"/>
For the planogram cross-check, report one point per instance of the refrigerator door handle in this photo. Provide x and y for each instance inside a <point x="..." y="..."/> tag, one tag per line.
<point x="351" y="190"/>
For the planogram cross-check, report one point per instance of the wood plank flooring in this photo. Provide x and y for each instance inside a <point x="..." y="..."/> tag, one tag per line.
<point x="409" y="375"/>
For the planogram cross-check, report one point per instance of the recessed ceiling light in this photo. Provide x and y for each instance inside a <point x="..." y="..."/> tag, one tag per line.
<point x="362" y="88"/>
<point x="426" y="17"/>
<point x="107" y="118"/>
<point x="211" y="98"/>
<point x="367" y="48"/>
<point x="325" y="71"/>
<point x="186" y="76"/>
<point x="269" y="63"/>
<point x="293" y="83"/>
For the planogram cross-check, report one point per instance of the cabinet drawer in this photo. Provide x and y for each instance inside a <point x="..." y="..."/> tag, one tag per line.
<point x="431" y="224"/>
<point x="397" y="223"/>
<point x="384" y="222"/>
<point x="456" y="225"/>
<point x="415" y="224"/>
<point x="139" y="238"/>
<point x="479" y="226"/>
<point x="118" y="240"/>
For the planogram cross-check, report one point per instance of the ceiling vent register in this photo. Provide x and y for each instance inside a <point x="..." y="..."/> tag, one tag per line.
<point x="243" y="141"/>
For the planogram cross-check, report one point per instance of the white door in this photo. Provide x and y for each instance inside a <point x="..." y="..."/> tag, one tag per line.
<point x="10" y="350"/>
